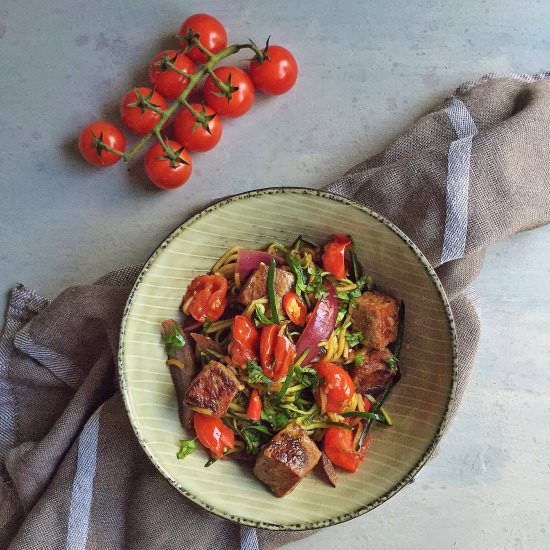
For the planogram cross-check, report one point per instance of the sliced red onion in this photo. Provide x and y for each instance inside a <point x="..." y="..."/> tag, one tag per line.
<point x="320" y="325"/>
<point x="249" y="260"/>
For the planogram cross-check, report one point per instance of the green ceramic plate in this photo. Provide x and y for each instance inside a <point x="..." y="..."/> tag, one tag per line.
<point x="419" y="405"/>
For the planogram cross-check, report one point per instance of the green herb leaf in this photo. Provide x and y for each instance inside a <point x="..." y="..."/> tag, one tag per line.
<point x="307" y="376"/>
<point x="392" y="361"/>
<point x="359" y="358"/>
<point x="204" y="357"/>
<point x="342" y="312"/>
<point x="262" y="318"/>
<point x="254" y="437"/>
<point x="296" y="268"/>
<point x="173" y="340"/>
<point x="354" y="338"/>
<point x="277" y="420"/>
<point x="256" y="374"/>
<point x="206" y="325"/>
<point x="370" y="415"/>
<point x="187" y="446"/>
<point x="286" y="383"/>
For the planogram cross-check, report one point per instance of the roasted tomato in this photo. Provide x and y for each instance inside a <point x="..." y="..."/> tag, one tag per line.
<point x="334" y="256"/>
<point x="206" y="297"/>
<point x="254" y="406"/>
<point x="277" y="352"/>
<point x="336" y="389"/>
<point x="244" y="342"/>
<point x="338" y="445"/>
<point x="213" y="433"/>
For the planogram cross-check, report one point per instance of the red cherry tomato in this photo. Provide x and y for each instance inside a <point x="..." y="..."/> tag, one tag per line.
<point x="295" y="309"/>
<point x="89" y="143"/>
<point x="166" y="81"/>
<point x="244" y="342"/>
<point x="160" y="169"/>
<point x="194" y="136"/>
<point x="213" y="433"/>
<point x="254" y="406"/>
<point x="211" y="33"/>
<point x="336" y="389"/>
<point x="208" y="297"/>
<point x="138" y="118"/>
<point x="334" y="256"/>
<point x="277" y="74"/>
<point x="277" y="352"/>
<point x="241" y="99"/>
<point x="338" y="445"/>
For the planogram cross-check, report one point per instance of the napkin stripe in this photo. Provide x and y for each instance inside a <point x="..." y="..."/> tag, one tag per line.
<point x="458" y="181"/>
<point x="249" y="538"/>
<point x="83" y="485"/>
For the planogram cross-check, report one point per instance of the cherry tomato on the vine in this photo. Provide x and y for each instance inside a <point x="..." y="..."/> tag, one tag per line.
<point x="134" y="113"/>
<point x="211" y="33"/>
<point x="276" y="74"/>
<point x="166" y="81"/>
<point x="90" y="139"/>
<point x="162" y="171"/>
<point x="194" y="136"/>
<point x="242" y="95"/>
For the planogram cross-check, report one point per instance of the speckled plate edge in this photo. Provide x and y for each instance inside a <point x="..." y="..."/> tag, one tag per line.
<point x="442" y="426"/>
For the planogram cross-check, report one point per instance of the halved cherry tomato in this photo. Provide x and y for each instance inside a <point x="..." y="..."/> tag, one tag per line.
<point x="277" y="73"/>
<point x="295" y="309"/>
<point x="208" y="295"/>
<point x="336" y="389"/>
<point x="213" y="433"/>
<point x="277" y="352"/>
<point x="241" y="98"/>
<point x="254" y="406"/>
<point x="90" y="139"/>
<point x="338" y="445"/>
<point x="244" y="343"/>
<point x="334" y="256"/>
<point x="211" y="33"/>
<point x="164" y="173"/>
<point x="194" y="136"/>
<point x="138" y="118"/>
<point x="166" y="81"/>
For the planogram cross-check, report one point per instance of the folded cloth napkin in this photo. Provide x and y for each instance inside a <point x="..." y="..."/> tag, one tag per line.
<point x="72" y="474"/>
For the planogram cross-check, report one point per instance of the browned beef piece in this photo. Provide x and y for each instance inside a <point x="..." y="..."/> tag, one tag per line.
<point x="256" y="285"/>
<point x="213" y="389"/>
<point x="376" y="317"/>
<point x="286" y="459"/>
<point x="374" y="373"/>
<point x="328" y="470"/>
<point x="204" y="343"/>
<point x="182" y="376"/>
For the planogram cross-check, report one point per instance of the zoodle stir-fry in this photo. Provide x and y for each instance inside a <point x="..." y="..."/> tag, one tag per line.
<point x="284" y="359"/>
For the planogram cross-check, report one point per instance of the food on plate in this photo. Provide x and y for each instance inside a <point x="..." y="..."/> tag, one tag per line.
<point x="297" y="355"/>
<point x="227" y="91"/>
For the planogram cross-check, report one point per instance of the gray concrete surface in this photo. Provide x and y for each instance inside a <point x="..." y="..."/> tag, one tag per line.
<point x="368" y="69"/>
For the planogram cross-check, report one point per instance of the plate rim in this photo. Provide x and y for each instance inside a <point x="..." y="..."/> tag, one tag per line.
<point x="442" y="427"/>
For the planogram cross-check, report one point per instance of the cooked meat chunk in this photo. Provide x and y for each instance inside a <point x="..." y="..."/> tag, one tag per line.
<point x="374" y="373"/>
<point x="213" y="389"/>
<point x="256" y="285"/>
<point x="328" y="469"/>
<point x="376" y="317"/>
<point x="286" y="459"/>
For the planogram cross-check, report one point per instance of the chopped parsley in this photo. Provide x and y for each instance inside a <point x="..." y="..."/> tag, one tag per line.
<point x="256" y="374"/>
<point x="307" y="376"/>
<point x="187" y="446"/>
<point x="173" y="340"/>
<point x="354" y="338"/>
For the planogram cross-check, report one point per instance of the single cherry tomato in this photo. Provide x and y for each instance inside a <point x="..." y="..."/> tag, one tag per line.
<point x="267" y="348"/>
<point x="211" y="33"/>
<point x="254" y="406"/>
<point x="94" y="137"/>
<point x="337" y="387"/>
<point x="338" y="446"/>
<point x="134" y="113"/>
<point x="208" y="297"/>
<point x="277" y="352"/>
<point x="242" y="95"/>
<point x="166" y="81"/>
<point x="190" y="133"/>
<point x="244" y="342"/>
<point x="213" y="433"/>
<point x="334" y="256"/>
<point x="162" y="171"/>
<point x="277" y="73"/>
<point x="295" y="309"/>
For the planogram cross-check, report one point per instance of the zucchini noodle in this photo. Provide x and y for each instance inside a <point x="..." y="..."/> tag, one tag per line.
<point x="251" y="308"/>
<point x="219" y="325"/>
<point x="230" y="256"/>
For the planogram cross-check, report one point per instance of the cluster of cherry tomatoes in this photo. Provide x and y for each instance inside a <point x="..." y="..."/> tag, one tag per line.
<point x="197" y="127"/>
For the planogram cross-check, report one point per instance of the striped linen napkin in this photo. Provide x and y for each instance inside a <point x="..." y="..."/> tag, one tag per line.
<point x="72" y="474"/>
